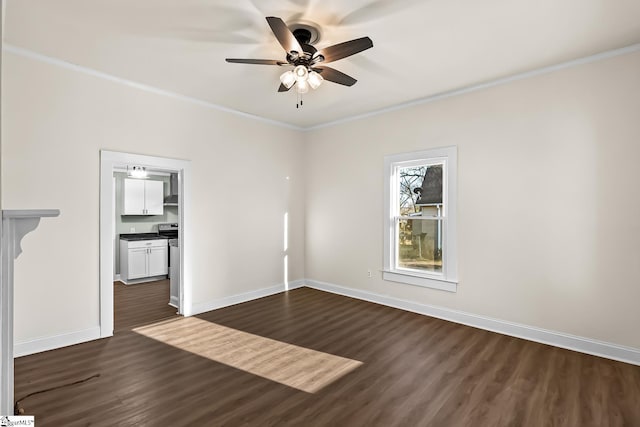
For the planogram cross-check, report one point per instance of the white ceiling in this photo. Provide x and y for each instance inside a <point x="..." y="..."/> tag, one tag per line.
<point x="421" y="47"/>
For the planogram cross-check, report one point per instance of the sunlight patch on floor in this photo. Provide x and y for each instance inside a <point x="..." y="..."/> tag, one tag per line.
<point x="298" y="367"/>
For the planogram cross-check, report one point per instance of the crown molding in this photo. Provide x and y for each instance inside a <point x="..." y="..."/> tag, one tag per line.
<point x="420" y="101"/>
<point x="141" y="86"/>
<point x="485" y="85"/>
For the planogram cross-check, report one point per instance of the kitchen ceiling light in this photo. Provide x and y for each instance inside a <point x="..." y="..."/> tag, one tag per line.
<point x="136" y="172"/>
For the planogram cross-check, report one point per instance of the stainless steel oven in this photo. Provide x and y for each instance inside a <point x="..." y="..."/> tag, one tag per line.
<point x="171" y="231"/>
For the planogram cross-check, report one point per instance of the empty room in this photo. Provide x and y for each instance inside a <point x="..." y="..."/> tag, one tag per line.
<point x="320" y="213"/>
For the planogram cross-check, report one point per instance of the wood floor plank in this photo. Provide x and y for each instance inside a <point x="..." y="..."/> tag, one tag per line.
<point x="416" y="371"/>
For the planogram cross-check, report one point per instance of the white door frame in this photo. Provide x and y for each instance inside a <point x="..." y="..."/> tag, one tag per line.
<point x="109" y="161"/>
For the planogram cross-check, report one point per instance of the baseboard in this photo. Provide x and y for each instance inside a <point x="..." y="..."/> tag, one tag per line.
<point x="557" y="339"/>
<point x="295" y="284"/>
<point x="38" y="345"/>
<point x="244" y="297"/>
<point x="57" y="341"/>
<point x="116" y="278"/>
<point x="143" y="280"/>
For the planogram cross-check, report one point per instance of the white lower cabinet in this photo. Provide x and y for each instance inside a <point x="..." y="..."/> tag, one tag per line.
<point x="143" y="258"/>
<point x="157" y="261"/>
<point x="136" y="260"/>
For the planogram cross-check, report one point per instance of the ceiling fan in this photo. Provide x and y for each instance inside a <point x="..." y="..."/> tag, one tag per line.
<point x="305" y="58"/>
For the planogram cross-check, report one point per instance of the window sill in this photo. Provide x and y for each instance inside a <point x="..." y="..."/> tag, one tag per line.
<point x="425" y="282"/>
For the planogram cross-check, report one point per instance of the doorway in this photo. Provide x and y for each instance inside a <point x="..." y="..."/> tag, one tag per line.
<point x="111" y="162"/>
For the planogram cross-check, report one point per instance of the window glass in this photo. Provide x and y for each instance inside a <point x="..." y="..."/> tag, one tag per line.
<point x="420" y="245"/>
<point x="419" y="240"/>
<point x="410" y="182"/>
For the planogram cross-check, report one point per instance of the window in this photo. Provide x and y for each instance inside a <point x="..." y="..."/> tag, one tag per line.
<point x="420" y="218"/>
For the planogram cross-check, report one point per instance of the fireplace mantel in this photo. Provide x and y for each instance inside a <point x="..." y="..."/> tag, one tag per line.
<point x="15" y="225"/>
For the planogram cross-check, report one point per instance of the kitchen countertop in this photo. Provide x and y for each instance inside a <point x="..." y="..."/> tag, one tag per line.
<point x="142" y="236"/>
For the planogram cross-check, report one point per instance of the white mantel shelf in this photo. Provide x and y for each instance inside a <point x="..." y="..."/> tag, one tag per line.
<point x="30" y="213"/>
<point x="15" y="225"/>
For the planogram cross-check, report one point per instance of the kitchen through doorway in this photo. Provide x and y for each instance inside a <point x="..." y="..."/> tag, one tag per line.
<point x="144" y="246"/>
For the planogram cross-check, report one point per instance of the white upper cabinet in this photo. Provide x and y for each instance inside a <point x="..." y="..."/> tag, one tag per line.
<point x="142" y="197"/>
<point x="154" y="197"/>
<point x="133" y="197"/>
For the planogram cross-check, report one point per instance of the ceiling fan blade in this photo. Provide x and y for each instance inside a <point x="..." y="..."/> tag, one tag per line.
<point x="342" y="50"/>
<point x="256" y="61"/>
<point x="284" y="34"/>
<point x="283" y="88"/>
<point x="335" y="76"/>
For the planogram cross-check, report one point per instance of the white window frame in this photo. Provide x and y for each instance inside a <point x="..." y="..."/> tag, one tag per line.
<point x="446" y="280"/>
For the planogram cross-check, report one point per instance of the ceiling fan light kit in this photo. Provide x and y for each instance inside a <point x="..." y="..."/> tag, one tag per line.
<point x="302" y="87"/>
<point x="288" y="78"/>
<point x="304" y="57"/>
<point x="315" y="80"/>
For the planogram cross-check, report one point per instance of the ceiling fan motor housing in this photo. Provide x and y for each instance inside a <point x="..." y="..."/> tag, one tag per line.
<point x="303" y="36"/>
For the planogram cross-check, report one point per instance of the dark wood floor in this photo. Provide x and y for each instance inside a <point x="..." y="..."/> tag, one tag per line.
<point x="141" y="304"/>
<point x="416" y="371"/>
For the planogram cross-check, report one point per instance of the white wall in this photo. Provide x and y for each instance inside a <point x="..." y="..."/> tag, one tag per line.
<point x="55" y="121"/>
<point x="549" y="205"/>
